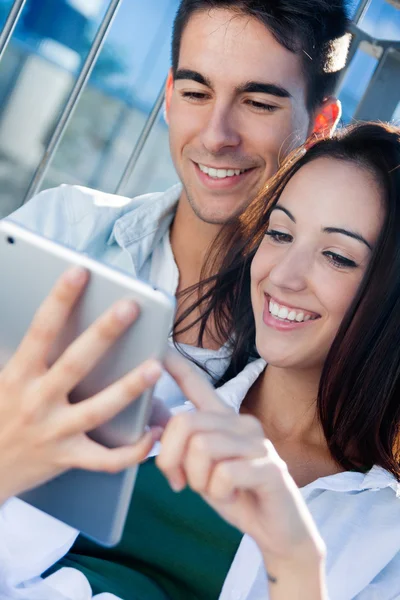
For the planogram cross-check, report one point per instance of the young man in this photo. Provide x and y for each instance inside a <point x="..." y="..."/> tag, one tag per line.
<point x="250" y="80"/>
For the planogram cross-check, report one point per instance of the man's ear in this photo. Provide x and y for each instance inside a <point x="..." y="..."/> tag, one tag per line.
<point x="327" y="117"/>
<point x="169" y="88"/>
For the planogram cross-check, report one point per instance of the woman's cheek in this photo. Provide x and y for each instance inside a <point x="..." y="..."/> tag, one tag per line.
<point x="260" y="266"/>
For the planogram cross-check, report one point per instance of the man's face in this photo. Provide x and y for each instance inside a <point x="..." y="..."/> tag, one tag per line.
<point x="237" y="105"/>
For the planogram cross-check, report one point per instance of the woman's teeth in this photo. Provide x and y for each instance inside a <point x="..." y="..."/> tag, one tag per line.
<point x="221" y="173"/>
<point x="288" y="314"/>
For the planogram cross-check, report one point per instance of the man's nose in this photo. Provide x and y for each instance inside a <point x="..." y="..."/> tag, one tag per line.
<point x="220" y="131"/>
<point x="291" y="271"/>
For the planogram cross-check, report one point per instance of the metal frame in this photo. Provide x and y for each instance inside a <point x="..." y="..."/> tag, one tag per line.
<point x="10" y="24"/>
<point x="73" y="99"/>
<point x="387" y="53"/>
<point x="381" y="98"/>
<point x="354" y="29"/>
<point x="361" y="11"/>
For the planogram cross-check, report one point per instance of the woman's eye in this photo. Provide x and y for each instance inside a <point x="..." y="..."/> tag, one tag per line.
<point x="260" y="106"/>
<point x="340" y="261"/>
<point x="279" y="236"/>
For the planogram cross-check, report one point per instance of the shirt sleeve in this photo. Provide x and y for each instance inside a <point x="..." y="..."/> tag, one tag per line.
<point x="47" y="214"/>
<point x="30" y="543"/>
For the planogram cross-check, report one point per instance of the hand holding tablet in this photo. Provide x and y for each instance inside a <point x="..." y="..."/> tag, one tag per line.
<point x="75" y="359"/>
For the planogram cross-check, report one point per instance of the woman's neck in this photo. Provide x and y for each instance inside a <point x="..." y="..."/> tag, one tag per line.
<point x="284" y="400"/>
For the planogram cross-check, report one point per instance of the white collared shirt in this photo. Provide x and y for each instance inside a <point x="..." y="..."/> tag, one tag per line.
<point x="358" y="516"/>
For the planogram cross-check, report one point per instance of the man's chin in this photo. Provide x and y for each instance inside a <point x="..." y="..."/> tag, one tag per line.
<point x="216" y="215"/>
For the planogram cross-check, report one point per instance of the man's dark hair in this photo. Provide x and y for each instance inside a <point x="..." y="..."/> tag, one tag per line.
<point x="312" y="28"/>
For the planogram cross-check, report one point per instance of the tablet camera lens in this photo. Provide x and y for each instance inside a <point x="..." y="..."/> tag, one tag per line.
<point x="10" y="240"/>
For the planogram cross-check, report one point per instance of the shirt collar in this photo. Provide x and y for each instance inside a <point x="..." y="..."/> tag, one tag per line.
<point x="146" y="217"/>
<point x="142" y="228"/>
<point x="234" y="391"/>
<point x="374" y="480"/>
<point x="377" y="478"/>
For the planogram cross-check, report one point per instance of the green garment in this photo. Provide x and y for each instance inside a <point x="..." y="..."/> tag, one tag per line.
<point x="174" y="547"/>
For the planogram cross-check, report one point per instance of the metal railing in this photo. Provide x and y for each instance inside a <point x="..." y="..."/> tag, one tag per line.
<point x="75" y="95"/>
<point x="87" y="68"/>
<point x="73" y="99"/>
<point x="10" y="24"/>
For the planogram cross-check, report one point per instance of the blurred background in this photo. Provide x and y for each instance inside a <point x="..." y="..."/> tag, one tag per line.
<point x="116" y="138"/>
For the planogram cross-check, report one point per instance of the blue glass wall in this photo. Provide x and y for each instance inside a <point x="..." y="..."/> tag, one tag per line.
<point x="41" y="65"/>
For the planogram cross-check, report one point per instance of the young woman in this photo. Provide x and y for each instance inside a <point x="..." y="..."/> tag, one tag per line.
<point x="299" y="450"/>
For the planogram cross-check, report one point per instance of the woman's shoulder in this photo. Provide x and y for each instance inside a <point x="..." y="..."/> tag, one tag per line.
<point x="358" y="516"/>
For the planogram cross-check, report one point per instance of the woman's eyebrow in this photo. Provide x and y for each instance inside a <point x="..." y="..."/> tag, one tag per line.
<point x="286" y="211"/>
<point x="352" y="234"/>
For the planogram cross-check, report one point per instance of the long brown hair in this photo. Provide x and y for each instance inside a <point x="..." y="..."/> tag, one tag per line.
<point x="359" y="394"/>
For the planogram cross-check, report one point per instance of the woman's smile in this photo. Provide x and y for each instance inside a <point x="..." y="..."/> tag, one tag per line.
<point x="284" y="317"/>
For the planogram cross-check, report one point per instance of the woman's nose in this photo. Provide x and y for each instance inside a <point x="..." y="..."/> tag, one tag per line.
<point x="291" y="271"/>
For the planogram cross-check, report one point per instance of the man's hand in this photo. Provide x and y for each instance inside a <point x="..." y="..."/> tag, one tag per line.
<point x="41" y="433"/>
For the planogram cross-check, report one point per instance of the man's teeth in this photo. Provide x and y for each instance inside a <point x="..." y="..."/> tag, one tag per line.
<point x="220" y="173"/>
<point x="288" y="314"/>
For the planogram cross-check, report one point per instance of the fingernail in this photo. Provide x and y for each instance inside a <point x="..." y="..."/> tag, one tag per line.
<point x="76" y="275"/>
<point x="152" y="372"/>
<point x="176" y="485"/>
<point x="156" y="433"/>
<point x="126" y="311"/>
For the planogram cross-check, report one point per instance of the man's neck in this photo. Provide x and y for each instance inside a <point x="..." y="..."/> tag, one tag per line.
<point x="191" y="239"/>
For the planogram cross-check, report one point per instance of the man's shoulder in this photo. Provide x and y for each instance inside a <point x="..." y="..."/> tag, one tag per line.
<point x="75" y="202"/>
<point x="71" y="211"/>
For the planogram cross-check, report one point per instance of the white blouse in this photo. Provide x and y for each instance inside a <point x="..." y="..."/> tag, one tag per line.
<point x="358" y="516"/>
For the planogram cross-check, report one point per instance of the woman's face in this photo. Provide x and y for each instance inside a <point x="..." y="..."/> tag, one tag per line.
<point x="312" y="259"/>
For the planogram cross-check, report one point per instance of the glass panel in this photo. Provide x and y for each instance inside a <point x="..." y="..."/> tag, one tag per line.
<point x="154" y="171"/>
<point x="355" y="83"/>
<point x="116" y="104"/>
<point x="39" y="70"/>
<point x="382" y="20"/>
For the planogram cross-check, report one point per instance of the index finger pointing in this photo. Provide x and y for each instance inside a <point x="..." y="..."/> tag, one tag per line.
<point x="193" y="384"/>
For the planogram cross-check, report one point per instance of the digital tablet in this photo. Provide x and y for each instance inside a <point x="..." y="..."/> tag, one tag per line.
<point x="94" y="503"/>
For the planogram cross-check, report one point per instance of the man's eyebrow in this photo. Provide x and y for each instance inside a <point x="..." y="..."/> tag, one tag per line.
<point x="193" y="75"/>
<point x="257" y="87"/>
<point x="251" y="87"/>
<point x="352" y="234"/>
<point x="286" y="211"/>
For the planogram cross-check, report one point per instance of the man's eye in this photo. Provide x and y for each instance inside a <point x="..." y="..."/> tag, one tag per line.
<point x="260" y="106"/>
<point x="279" y="236"/>
<point x="194" y="95"/>
<point x="340" y="261"/>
